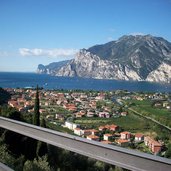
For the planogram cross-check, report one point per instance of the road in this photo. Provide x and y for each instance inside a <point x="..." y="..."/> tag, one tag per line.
<point x="122" y="157"/>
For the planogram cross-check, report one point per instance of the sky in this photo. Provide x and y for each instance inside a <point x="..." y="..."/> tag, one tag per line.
<point x="36" y="32"/>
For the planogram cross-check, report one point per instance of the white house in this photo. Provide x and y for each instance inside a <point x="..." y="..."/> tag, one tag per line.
<point x="90" y="114"/>
<point x="107" y="137"/>
<point x="104" y="115"/>
<point x="78" y="131"/>
<point x="139" y="137"/>
<point x="71" y="125"/>
<point x="125" y="135"/>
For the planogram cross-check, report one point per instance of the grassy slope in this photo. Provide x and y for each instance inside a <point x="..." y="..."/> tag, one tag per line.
<point x="131" y="122"/>
<point x="144" y="107"/>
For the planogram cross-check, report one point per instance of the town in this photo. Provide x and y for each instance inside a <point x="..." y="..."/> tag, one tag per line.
<point x="126" y="119"/>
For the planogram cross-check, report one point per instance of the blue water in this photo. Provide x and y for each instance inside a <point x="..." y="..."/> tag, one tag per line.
<point x="14" y="80"/>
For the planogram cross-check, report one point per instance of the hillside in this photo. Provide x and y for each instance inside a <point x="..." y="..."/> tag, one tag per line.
<point x="129" y="58"/>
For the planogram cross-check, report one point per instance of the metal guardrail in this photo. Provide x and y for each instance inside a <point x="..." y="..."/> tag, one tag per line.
<point x="3" y="167"/>
<point x="125" y="158"/>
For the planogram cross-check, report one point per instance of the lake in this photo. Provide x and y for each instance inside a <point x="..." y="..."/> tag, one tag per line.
<point x="22" y="80"/>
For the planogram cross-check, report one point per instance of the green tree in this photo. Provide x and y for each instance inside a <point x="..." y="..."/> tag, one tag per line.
<point x="41" y="146"/>
<point x="117" y="168"/>
<point x="168" y="152"/>
<point x="54" y="155"/>
<point x="43" y="123"/>
<point x="4" y="96"/>
<point x="5" y="156"/>
<point x="39" y="164"/>
<point x="120" y="110"/>
<point x="36" y="119"/>
<point x="11" y="113"/>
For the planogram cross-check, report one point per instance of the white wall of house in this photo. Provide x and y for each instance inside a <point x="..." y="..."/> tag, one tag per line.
<point x="70" y="125"/>
<point x="78" y="132"/>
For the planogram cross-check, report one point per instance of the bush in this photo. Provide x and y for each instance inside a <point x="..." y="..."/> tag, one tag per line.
<point x="39" y="164"/>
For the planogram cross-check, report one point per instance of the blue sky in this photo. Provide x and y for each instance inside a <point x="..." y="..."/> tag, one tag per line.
<point x="44" y="31"/>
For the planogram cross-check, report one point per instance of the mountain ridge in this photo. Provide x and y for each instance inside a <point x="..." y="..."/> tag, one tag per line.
<point x="140" y="57"/>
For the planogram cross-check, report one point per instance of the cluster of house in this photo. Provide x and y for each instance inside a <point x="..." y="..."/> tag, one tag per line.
<point x="83" y="105"/>
<point x="21" y="100"/>
<point x="79" y="103"/>
<point x="123" y="138"/>
<point x="159" y="99"/>
<point x="163" y="104"/>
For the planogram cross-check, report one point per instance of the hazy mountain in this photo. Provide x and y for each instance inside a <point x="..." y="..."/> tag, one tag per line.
<point x="129" y="58"/>
<point x="52" y="68"/>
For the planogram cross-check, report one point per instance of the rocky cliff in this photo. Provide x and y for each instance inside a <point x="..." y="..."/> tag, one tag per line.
<point x="88" y="65"/>
<point x="129" y="58"/>
<point x="52" y="68"/>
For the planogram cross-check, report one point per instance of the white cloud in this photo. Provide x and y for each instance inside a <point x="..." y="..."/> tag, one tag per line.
<point x="47" y="52"/>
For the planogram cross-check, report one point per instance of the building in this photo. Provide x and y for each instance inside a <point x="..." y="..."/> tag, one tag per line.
<point x="92" y="104"/>
<point x="86" y="132"/>
<point x="153" y="145"/>
<point x="94" y="132"/>
<point x="125" y="135"/>
<point x="104" y="115"/>
<point x="71" y="125"/>
<point x="93" y="137"/>
<point x="42" y="111"/>
<point x="90" y="114"/>
<point x="80" y="114"/>
<point x="114" y="127"/>
<point x="139" y="137"/>
<point x="109" y="127"/>
<point x="123" y="142"/>
<point x="60" y="117"/>
<point x="106" y="142"/>
<point x="124" y="113"/>
<point x="107" y="137"/>
<point x="13" y="103"/>
<point x="78" y="131"/>
<point x="102" y="128"/>
<point x="70" y="107"/>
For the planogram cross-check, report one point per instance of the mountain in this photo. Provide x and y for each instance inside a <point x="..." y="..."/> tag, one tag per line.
<point x="140" y="57"/>
<point x="52" y="68"/>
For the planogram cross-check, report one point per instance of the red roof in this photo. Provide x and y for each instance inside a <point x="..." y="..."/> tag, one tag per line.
<point x="102" y="127"/>
<point x="87" y="130"/>
<point x="94" y="130"/>
<point x="106" y="142"/>
<point x="125" y="132"/>
<point x="113" y="126"/>
<point x="139" y="135"/>
<point x="92" y="136"/>
<point x="122" y="141"/>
